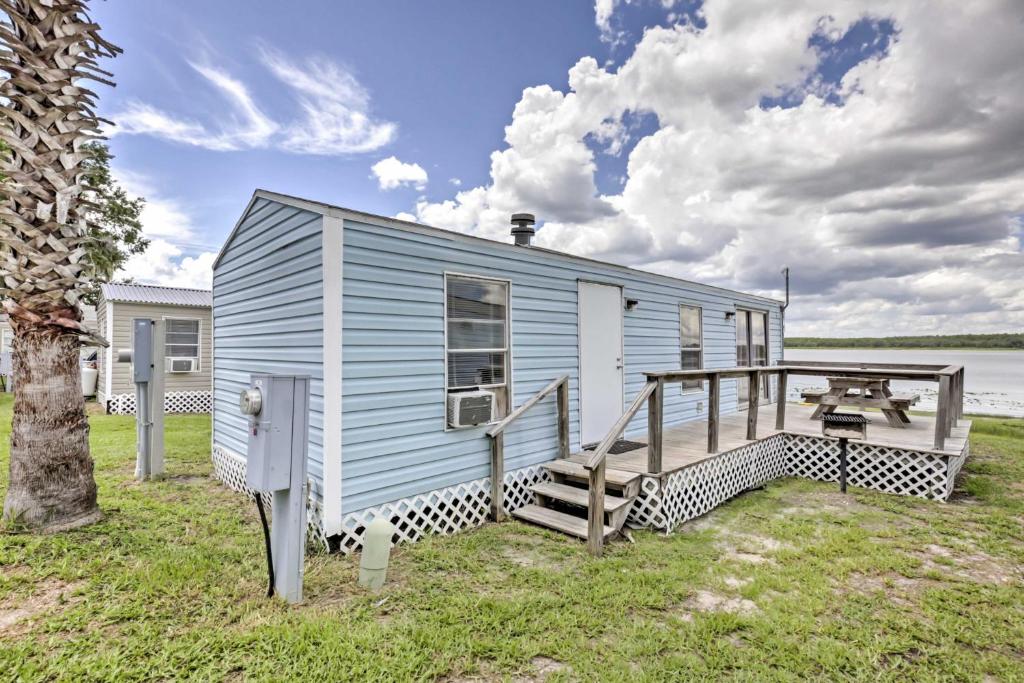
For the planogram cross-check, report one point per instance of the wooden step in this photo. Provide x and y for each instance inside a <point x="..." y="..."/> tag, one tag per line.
<point x="559" y="521"/>
<point x="627" y="482"/>
<point x="576" y="496"/>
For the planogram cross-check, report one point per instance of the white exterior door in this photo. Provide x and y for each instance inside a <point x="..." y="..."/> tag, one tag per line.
<point x="601" y="373"/>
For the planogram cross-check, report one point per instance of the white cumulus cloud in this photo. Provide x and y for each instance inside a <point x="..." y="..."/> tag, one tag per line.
<point x="175" y="255"/>
<point x="392" y="173"/>
<point x="894" y="194"/>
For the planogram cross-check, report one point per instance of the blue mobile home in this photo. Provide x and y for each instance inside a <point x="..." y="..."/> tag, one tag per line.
<point x="397" y="323"/>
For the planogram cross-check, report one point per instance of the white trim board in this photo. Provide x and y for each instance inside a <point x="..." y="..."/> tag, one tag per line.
<point x="108" y="380"/>
<point x="332" y="245"/>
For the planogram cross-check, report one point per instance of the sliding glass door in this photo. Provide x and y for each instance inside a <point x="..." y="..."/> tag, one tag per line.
<point x="751" y="350"/>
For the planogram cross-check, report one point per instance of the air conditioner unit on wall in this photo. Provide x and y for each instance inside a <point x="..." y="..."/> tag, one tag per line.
<point x="181" y="364"/>
<point x="468" y="408"/>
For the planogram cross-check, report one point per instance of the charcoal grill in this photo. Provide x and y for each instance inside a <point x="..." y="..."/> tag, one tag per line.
<point x="844" y="426"/>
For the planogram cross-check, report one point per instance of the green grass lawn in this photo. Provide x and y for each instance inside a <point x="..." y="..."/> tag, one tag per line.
<point x="792" y="581"/>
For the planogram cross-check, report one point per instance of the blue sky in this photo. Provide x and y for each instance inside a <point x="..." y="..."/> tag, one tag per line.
<point x="871" y="145"/>
<point x="447" y="74"/>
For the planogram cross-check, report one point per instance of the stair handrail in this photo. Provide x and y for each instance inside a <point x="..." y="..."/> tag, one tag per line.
<point x="500" y="426"/>
<point x="596" y="465"/>
<point x="601" y="451"/>
<point x="497" y="436"/>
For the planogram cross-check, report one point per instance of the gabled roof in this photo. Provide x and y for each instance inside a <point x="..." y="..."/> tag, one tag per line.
<point x="336" y="211"/>
<point x="152" y="294"/>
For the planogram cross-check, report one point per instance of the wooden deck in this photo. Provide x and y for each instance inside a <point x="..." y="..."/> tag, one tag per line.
<point x="686" y="444"/>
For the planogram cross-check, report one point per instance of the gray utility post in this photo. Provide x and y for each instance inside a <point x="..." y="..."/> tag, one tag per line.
<point x="278" y="410"/>
<point x="147" y="359"/>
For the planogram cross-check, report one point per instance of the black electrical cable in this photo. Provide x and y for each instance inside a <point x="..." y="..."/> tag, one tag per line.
<point x="266" y="540"/>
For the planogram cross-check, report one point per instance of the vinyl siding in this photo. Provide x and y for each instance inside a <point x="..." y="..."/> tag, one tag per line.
<point x="123" y="313"/>
<point x="394" y="440"/>
<point x="268" y="317"/>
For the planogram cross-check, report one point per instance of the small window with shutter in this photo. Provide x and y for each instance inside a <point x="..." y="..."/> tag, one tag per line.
<point x="477" y="336"/>
<point x="691" y="344"/>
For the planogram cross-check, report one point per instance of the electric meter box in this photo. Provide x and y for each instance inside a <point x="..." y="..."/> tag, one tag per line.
<point x="142" y="350"/>
<point x="276" y="406"/>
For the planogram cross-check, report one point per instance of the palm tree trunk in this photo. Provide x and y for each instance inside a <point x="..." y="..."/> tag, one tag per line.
<point x="51" y="483"/>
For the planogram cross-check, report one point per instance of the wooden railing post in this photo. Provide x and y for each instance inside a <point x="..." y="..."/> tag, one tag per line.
<point x="655" y="417"/>
<point x="780" y="408"/>
<point x="595" y="510"/>
<point x="753" y="394"/>
<point x="714" y="394"/>
<point x="963" y="384"/>
<point x="498" y="477"/>
<point x="942" y="413"/>
<point x="563" y="419"/>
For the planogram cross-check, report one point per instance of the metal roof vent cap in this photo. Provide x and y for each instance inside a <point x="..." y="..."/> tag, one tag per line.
<point x="522" y="230"/>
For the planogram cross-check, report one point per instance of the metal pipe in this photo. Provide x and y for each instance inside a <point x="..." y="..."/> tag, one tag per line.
<point x="842" y="465"/>
<point x="782" y="321"/>
<point x="142" y="409"/>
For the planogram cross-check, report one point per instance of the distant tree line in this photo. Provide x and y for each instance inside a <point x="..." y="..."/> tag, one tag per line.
<point x="1007" y="340"/>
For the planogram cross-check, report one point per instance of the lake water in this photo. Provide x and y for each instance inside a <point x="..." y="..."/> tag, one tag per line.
<point x="994" y="380"/>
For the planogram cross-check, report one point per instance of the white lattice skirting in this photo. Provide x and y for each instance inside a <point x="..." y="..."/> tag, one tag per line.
<point x="229" y="468"/>
<point x="700" y="488"/>
<point x="174" y="402"/>
<point x="664" y="501"/>
<point x="442" y="511"/>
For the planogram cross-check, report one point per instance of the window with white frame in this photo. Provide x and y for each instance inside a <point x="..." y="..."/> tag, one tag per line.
<point x="691" y="344"/>
<point x="477" y="336"/>
<point x="182" y="338"/>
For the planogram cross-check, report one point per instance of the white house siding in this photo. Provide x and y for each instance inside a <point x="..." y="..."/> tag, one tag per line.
<point x="394" y="441"/>
<point x="120" y="373"/>
<point x="268" y="316"/>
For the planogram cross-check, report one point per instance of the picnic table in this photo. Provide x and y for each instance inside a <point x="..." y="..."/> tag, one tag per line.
<point x="863" y="392"/>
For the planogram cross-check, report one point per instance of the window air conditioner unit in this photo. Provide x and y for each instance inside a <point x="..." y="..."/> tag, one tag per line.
<point x="181" y="364"/>
<point x="468" y="408"/>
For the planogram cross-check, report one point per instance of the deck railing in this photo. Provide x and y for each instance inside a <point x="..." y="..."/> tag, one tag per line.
<point x="497" y="436"/>
<point x="949" y="408"/>
<point x="948" y="411"/>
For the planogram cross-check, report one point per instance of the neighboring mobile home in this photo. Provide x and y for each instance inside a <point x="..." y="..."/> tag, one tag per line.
<point x="186" y="313"/>
<point x="398" y="324"/>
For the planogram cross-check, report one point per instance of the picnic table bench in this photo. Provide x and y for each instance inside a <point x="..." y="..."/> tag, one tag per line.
<point x="863" y="392"/>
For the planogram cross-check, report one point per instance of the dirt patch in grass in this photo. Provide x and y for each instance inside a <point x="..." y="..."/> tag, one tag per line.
<point x="543" y="668"/>
<point x="898" y="589"/>
<point x="973" y="565"/>
<point x="749" y="558"/>
<point x="188" y="479"/>
<point x="820" y="502"/>
<point x="735" y="582"/>
<point x="533" y="557"/>
<point x="705" y="601"/>
<point x="48" y="596"/>
<point x="750" y="548"/>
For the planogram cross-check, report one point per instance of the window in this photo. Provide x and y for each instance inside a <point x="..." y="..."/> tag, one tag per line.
<point x="476" y="338"/>
<point x="691" y="344"/>
<point x="182" y="338"/>
<point x="751" y="349"/>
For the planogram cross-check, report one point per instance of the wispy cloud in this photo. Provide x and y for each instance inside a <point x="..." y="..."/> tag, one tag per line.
<point x="335" y="113"/>
<point x="336" y="107"/>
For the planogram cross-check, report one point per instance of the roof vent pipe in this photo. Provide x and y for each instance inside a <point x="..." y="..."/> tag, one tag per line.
<point x="522" y="230"/>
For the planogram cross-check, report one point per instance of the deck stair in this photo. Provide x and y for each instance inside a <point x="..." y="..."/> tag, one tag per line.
<point x="562" y="503"/>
